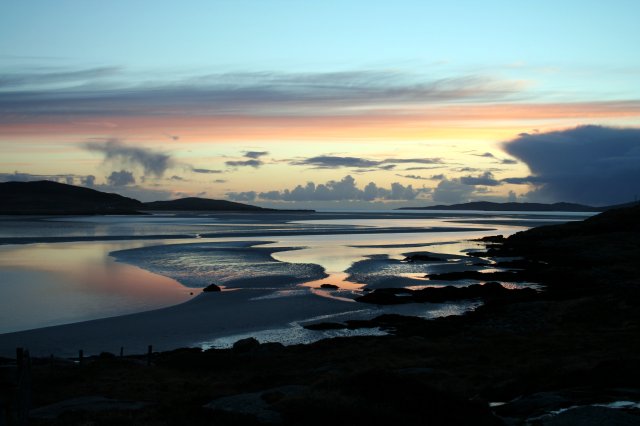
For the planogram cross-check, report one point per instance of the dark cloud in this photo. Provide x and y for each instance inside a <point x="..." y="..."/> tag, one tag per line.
<point x="255" y="154"/>
<point x="529" y="180"/>
<point x="468" y="169"/>
<point x="152" y="162"/>
<point x="244" y="163"/>
<point x="416" y="177"/>
<point x="485" y="155"/>
<point x="452" y="192"/>
<point x="342" y="190"/>
<point x="206" y="171"/>
<point x="508" y="161"/>
<point x="89" y="180"/>
<point x="485" y="179"/>
<point x="336" y="162"/>
<point x="121" y="178"/>
<point x="408" y="169"/>
<point x="178" y="178"/>
<point x="220" y="181"/>
<point x="589" y="164"/>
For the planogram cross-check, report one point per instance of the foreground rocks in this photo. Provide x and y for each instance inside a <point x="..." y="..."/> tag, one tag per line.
<point x="490" y="291"/>
<point x="577" y="344"/>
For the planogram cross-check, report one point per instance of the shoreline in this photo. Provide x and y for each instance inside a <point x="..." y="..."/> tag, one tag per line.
<point x="507" y="362"/>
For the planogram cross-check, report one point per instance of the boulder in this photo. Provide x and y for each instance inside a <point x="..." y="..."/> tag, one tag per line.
<point x="246" y="345"/>
<point x="329" y="286"/>
<point x="211" y="288"/>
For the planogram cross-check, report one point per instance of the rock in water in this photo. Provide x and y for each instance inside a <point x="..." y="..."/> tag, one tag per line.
<point x="329" y="286"/>
<point x="211" y="288"/>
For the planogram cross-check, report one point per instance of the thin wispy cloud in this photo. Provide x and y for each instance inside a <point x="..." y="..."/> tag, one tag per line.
<point x="336" y="162"/>
<point x="266" y="93"/>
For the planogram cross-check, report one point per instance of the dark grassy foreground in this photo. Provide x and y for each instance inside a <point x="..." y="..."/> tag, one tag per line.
<point x="577" y="343"/>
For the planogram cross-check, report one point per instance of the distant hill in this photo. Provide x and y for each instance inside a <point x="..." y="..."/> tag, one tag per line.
<point x="200" y="204"/>
<point x="53" y="198"/>
<point x="501" y="207"/>
<point x="46" y="197"/>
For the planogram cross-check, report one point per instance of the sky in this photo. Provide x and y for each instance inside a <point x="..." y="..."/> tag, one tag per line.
<point x="332" y="104"/>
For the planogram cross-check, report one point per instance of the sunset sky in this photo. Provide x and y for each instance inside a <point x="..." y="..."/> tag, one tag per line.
<point x="325" y="104"/>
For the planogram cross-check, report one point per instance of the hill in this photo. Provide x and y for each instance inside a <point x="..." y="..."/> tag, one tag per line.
<point x="46" y="197"/>
<point x="53" y="198"/>
<point x="512" y="206"/>
<point x="200" y="204"/>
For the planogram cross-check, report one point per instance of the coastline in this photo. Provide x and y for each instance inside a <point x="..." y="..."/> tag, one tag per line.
<point x="507" y="362"/>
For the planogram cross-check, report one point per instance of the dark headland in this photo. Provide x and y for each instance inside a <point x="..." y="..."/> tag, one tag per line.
<point x="53" y="198"/>
<point x="518" y="207"/>
<point x="515" y="360"/>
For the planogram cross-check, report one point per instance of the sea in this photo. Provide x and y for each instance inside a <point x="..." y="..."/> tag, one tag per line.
<point x="63" y="270"/>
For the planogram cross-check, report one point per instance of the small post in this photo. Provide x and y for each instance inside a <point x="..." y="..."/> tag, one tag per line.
<point x="19" y="358"/>
<point x="80" y="357"/>
<point x="121" y="351"/>
<point x="149" y="354"/>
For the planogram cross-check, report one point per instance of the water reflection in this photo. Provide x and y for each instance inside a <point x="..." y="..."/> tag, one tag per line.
<point x="51" y="284"/>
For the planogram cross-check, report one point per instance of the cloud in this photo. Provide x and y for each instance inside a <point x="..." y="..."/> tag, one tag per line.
<point x="485" y="155"/>
<point x="85" y="93"/>
<point x="408" y="169"/>
<point x="68" y="178"/>
<point x="89" y="180"/>
<point x="246" y="196"/>
<point x="485" y="179"/>
<point x="253" y="160"/>
<point x="417" y="177"/>
<point x="121" y="178"/>
<point x="508" y="161"/>
<point x="255" y="154"/>
<point x="178" y="178"/>
<point x="206" y="171"/>
<point x="152" y="162"/>
<point x="336" y="162"/>
<point x="342" y="190"/>
<point x="528" y="180"/>
<point x="220" y="181"/>
<point x="452" y="192"/>
<point x="588" y="164"/>
<point x="244" y="163"/>
<point x="15" y="80"/>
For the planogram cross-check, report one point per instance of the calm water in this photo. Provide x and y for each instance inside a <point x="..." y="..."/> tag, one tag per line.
<point x="60" y="270"/>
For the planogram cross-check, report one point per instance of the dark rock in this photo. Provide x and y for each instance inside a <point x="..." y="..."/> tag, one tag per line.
<point x="423" y="258"/>
<point x="329" y="286"/>
<point x="211" y="288"/>
<point x="326" y="326"/>
<point x="490" y="291"/>
<point x="493" y="239"/>
<point x="87" y="404"/>
<point x="592" y="416"/>
<point x="246" y="345"/>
